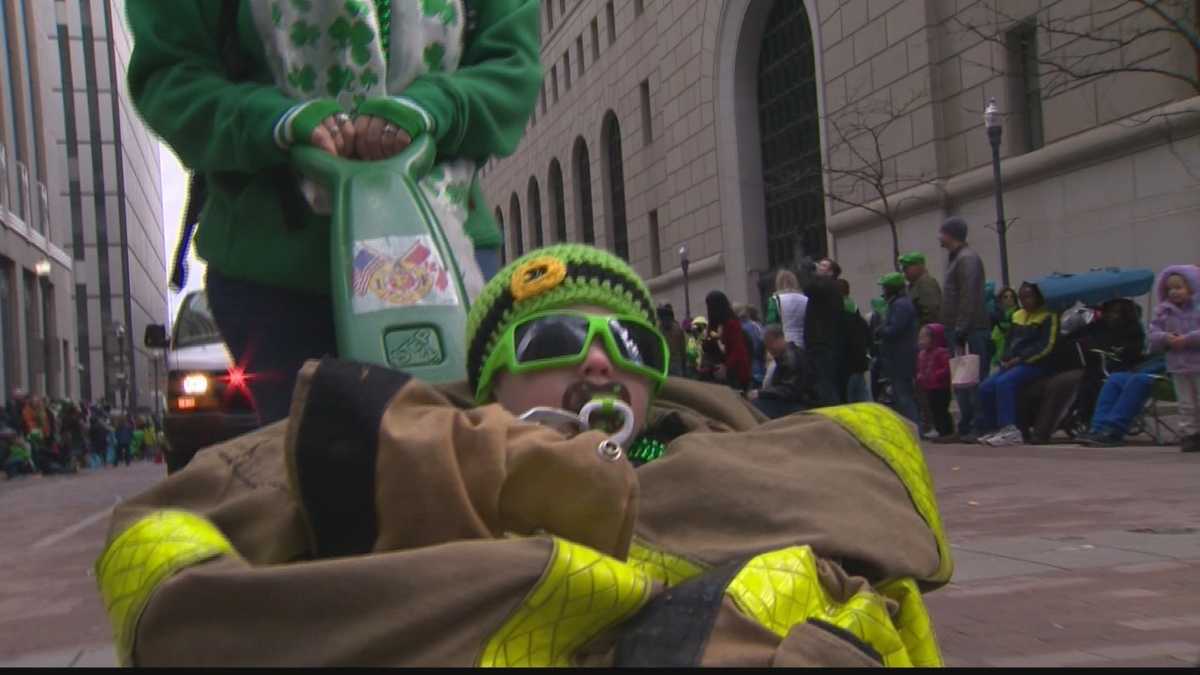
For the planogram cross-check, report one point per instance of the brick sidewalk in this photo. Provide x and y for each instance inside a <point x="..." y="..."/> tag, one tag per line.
<point x="1051" y="569"/>
<point x="1064" y="557"/>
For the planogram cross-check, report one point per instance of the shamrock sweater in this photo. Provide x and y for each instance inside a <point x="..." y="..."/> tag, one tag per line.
<point x="465" y="72"/>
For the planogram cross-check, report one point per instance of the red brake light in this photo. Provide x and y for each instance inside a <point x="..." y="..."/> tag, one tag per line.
<point x="237" y="378"/>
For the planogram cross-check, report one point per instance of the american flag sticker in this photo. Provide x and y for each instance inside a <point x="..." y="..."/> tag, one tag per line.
<point x="391" y="272"/>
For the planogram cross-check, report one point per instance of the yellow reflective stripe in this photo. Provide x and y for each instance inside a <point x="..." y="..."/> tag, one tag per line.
<point x="138" y="560"/>
<point x="580" y="594"/>
<point x="888" y="436"/>
<point x="916" y="628"/>
<point x="782" y="588"/>
<point x="661" y="566"/>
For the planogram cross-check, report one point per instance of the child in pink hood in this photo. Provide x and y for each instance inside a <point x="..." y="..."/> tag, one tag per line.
<point x="933" y="375"/>
<point x="1175" y="330"/>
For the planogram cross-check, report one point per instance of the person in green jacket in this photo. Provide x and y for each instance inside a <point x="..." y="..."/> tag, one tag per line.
<point x="1006" y="306"/>
<point x="923" y="289"/>
<point x="359" y="79"/>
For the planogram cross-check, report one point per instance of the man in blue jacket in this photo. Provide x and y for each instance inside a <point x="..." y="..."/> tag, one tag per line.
<point x="898" y="345"/>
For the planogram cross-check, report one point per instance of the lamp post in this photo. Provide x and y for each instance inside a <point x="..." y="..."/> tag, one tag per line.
<point x="991" y="119"/>
<point x="687" y="296"/>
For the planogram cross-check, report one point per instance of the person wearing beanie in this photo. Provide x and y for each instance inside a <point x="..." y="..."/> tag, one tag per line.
<point x="964" y="311"/>
<point x="898" y="345"/>
<point x="390" y="522"/>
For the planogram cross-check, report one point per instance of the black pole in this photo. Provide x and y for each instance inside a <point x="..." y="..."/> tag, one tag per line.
<point x="1001" y="226"/>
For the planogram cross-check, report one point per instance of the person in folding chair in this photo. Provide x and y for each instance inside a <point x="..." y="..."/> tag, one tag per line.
<point x="569" y="505"/>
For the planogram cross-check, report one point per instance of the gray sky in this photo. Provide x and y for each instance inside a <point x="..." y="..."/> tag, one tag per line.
<point x="174" y="190"/>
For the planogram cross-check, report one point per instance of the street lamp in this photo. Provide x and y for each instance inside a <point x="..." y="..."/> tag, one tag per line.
<point x="42" y="268"/>
<point x="992" y="120"/>
<point x="687" y="296"/>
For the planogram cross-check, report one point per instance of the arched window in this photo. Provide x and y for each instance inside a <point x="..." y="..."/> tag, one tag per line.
<point x="503" y="239"/>
<point x="514" y="217"/>
<point x="534" y="200"/>
<point x="558" y="207"/>
<point x="583" y="191"/>
<point x="610" y="136"/>
<point x="791" y="148"/>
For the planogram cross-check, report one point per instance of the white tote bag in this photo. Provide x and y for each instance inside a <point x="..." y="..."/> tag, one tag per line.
<point x="964" y="370"/>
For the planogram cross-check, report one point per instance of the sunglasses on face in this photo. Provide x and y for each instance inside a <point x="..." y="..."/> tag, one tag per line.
<point x="558" y="339"/>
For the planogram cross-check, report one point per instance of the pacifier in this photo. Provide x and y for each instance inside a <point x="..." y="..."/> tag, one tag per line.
<point x="610" y="415"/>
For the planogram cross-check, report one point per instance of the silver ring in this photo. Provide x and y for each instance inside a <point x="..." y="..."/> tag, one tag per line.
<point x="341" y="118"/>
<point x="390" y="130"/>
<point x="609" y="450"/>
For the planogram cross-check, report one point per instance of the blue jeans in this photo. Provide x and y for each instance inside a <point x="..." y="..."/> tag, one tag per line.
<point x="980" y="342"/>
<point x="904" y="396"/>
<point x="1121" y="399"/>
<point x="998" y="396"/>
<point x="856" y="388"/>
<point x="270" y="333"/>
<point x="489" y="261"/>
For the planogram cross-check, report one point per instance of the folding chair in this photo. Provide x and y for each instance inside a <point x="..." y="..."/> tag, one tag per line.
<point x="1151" y="421"/>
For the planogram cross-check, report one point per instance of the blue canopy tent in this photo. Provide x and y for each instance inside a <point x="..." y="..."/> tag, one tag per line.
<point x="1062" y="291"/>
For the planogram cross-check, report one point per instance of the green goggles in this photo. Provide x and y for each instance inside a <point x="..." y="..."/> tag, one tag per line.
<point x="555" y="339"/>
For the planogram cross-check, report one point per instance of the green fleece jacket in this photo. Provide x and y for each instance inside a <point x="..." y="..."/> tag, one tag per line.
<point x="227" y="130"/>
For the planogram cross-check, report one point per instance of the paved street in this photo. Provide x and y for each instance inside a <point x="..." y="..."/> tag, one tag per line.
<point x="1065" y="557"/>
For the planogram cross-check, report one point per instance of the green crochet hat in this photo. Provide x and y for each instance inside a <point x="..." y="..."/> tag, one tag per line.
<point x="892" y="280"/>
<point x="554" y="277"/>
<point x="912" y="258"/>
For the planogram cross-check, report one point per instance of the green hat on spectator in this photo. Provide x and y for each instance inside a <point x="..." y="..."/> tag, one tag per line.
<point x="892" y="280"/>
<point x="912" y="258"/>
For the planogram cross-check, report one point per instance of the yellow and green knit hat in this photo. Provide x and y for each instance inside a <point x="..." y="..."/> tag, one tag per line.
<point x="548" y="278"/>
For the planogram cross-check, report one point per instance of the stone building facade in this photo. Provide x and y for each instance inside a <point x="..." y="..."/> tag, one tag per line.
<point x="93" y="199"/>
<point x="728" y="127"/>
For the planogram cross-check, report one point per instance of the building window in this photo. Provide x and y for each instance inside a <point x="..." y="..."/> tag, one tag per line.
<point x="791" y="154"/>
<point x="558" y="207"/>
<point x="503" y="237"/>
<point x="543" y="98"/>
<point x="615" y="174"/>
<point x="583" y="191"/>
<point x="43" y="219"/>
<point x="639" y="6"/>
<point x="562" y="8"/>
<point x="595" y="40"/>
<point x="549" y="16"/>
<point x="3" y="176"/>
<point x="534" y="201"/>
<point x="16" y="103"/>
<point x="23" y="193"/>
<point x="655" y="250"/>
<point x="612" y="23"/>
<point x="83" y="342"/>
<point x="514" y="217"/>
<point x="567" y="68"/>
<point x="579" y="55"/>
<point x="32" y="328"/>
<point x="1025" y="90"/>
<point x="647" y="132"/>
<point x="554" y="83"/>
<point x="6" y="327"/>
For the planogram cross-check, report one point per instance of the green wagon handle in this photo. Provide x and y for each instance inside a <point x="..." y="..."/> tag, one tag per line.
<point x="398" y="296"/>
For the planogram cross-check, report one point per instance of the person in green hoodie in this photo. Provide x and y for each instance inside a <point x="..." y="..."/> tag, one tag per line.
<point x="359" y="79"/>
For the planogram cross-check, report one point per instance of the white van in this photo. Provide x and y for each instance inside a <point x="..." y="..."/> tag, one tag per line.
<point x="208" y="400"/>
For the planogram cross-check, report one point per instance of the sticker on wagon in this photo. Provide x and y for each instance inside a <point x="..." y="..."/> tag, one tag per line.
<point x="400" y="272"/>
